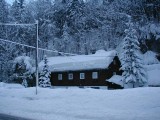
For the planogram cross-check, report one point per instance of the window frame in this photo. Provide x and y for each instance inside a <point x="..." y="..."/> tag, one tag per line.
<point x="82" y="76"/>
<point x="60" y="76"/>
<point x="94" y="74"/>
<point x="69" y="76"/>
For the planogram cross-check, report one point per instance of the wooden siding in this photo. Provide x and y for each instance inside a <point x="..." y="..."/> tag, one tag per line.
<point x="88" y="81"/>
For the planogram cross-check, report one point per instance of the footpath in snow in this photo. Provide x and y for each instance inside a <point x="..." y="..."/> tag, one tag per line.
<point x="80" y="104"/>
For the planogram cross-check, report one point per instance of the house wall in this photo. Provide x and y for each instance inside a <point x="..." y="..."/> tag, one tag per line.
<point x="88" y="81"/>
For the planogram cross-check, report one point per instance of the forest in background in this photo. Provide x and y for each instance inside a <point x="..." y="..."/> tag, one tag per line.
<point x="75" y="26"/>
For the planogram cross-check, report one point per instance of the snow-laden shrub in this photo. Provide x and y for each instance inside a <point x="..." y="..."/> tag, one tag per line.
<point x="23" y="69"/>
<point x="100" y="51"/>
<point x="24" y="60"/>
<point x="150" y="58"/>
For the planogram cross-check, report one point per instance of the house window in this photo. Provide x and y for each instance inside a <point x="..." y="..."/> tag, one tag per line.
<point x="82" y="76"/>
<point x="94" y="75"/>
<point x="59" y="76"/>
<point x="70" y="76"/>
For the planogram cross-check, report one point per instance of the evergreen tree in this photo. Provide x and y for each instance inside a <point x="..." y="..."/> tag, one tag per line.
<point x="20" y="13"/>
<point x="76" y="22"/>
<point x="3" y="18"/>
<point x="17" y="10"/>
<point x="4" y="48"/>
<point x="44" y="80"/>
<point x="131" y="61"/>
<point x="66" y="42"/>
<point x="3" y="11"/>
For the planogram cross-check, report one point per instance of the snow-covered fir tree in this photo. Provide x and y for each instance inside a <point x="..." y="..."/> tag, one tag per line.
<point x="132" y="64"/>
<point x="44" y="80"/>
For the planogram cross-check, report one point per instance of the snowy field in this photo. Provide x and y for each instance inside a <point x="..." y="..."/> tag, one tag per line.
<point x="80" y="104"/>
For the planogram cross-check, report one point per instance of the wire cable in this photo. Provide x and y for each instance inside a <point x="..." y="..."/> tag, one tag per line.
<point x="54" y="51"/>
<point x="15" y="24"/>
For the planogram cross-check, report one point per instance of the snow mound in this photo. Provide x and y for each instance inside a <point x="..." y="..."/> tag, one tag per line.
<point x="117" y="79"/>
<point x="154" y="77"/>
<point x="100" y="60"/>
<point x="150" y="58"/>
<point x="10" y="86"/>
<point x="100" y="52"/>
<point x="153" y="72"/>
<point x="152" y="67"/>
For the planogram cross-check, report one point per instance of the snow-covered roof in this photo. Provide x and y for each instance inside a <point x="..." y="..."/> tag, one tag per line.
<point x="117" y="79"/>
<point x="100" y="60"/>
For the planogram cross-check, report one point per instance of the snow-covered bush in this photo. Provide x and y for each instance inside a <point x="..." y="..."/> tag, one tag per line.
<point x="44" y="80"/>
<point x="132" y="66"/>
<point x="24" y="82"/>
<point x="149" y="58"/>
<point x="23" y="69"/>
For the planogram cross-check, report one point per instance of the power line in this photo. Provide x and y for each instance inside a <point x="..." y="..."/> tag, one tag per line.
<point x="54" y="51"/>
<point x="17" y="43"/>
<point x="30" y="24"/>
<point x="14" y="24"/>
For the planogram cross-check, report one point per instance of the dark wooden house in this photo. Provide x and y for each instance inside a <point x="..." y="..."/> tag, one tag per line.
<point x="84" y="70"/>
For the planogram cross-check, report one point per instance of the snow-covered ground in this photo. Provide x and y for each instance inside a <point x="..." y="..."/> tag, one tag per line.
<point x="80" y="104"/>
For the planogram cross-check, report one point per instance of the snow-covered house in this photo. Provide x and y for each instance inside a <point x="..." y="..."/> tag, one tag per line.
<point x="84" y="70"/>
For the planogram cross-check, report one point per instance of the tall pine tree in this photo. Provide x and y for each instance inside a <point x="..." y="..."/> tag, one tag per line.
<point x="4" y="48"/>
<point x="44" y="80"/>
<point x="132" y="66"/>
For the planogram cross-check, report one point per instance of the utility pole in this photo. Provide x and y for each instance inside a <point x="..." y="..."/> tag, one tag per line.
<point x="37" y="77"/>
<point x="37" y="48"/>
